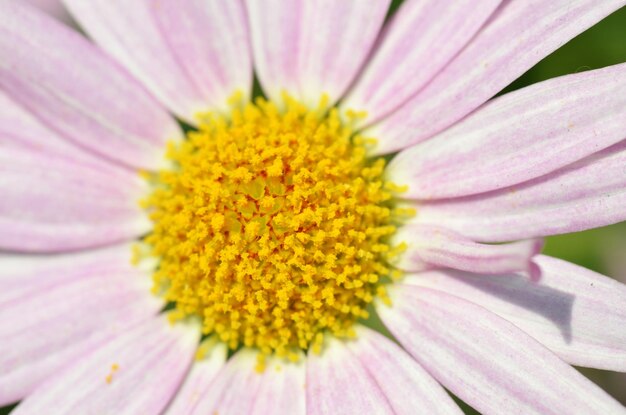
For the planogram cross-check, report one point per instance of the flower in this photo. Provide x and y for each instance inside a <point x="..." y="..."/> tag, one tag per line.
<point x="270" y="231"/>
<point x="54" y="8"/>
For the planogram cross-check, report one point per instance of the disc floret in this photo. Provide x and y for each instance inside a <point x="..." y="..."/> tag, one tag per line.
<point x="272" y="227"/>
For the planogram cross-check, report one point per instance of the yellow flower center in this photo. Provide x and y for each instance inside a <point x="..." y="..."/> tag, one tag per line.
<point x="272" y="227"/>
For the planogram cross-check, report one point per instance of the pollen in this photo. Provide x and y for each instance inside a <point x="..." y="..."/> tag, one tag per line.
<point x="114" y="368"/>
<point x="273" y="226"/>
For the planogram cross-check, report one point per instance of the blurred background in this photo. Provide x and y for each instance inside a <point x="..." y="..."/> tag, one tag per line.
<point x="602" y="250"/>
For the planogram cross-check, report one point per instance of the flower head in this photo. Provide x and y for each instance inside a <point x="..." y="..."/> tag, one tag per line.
<point x="232" y="262"/>
<point x="272" y="227"/>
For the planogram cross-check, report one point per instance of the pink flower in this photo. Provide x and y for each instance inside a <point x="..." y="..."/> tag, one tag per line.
<point x="495" y="324"/>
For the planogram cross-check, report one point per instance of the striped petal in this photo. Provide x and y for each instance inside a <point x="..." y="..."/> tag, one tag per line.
<point x="487" y="361"/>
<point x="282" y="390"/>
<point x="22" y="130"/>
<point x="89" y="298"/>
<point x="519" y="136"/>
<point x="403" y="381"/>
<point x="209" y="40"/>
<point x="77" y="91"/>
<point x="420" y="40"/>
<point x="240" y="389"/>
<point x="576" y="313"/>
<point x="337" y="383"/>
<point x="52" y="204"/>
<point x="308" y="48"/>
<point x="191" y="56"/>
<point x="587" y="194"/>
<point x="136" y="373"/>
<point x="516" y="37"/>
<point x="212" y="357"/>
<point x="275" y="31"/>
<point x="19" y="128"/>
<point x="436" y="247"/>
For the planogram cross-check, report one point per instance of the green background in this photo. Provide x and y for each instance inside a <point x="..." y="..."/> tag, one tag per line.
<point x="604" y="249"/>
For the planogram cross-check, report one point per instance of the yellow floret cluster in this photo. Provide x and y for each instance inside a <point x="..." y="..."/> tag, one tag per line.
<point x="272" y="226"/>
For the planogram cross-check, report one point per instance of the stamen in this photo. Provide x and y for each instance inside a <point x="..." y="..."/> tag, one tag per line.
<point x="273" y="228"/>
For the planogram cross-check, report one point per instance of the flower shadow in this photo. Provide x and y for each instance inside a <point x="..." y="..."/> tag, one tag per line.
<point x="545" y="302"/>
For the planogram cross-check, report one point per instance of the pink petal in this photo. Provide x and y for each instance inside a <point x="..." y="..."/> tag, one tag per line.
<point x="136" y="373"/>
<point x="282" y="390"/>
<point x="22" y="276"/>
<point x="240" y="389"/>
<point x="19" y="128"/>
<point x="587" y="194"/>
<point x="519" y="136"/>
<point x="517" y="36"/>
<point x="487" y="361"/>
<point x="436" y="247"/>
<point x="202" y="374"/>
<point x="274" y="33"/>
<point x="52" y="204"/>
<point x="576" y="313"/>
<point x="53" y="8"/>
<point x="337" y="37"/>
<point x="312" y="47"/>
<point x="77" y="91"/>
<point x="209" y="40"/>
<point x="420" y="40"/>
<point x="338" y="383"/>
<point x="403" y="381"/>
<point x="130" y="34"/>
<point x="54" y="309"/>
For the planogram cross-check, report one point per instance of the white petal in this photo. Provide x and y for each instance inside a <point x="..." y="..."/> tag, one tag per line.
<point x="282" y="390"/>
<point x="79" y="92"/>
<point x="240" y="389"/>
<point x="129" y="32"/>
<point x="209" y="39"/>
<point x="519" y="136"/>
<point x="308" y="48"/>
<point x="406" y="385"/>
<point x="576" y="313"/>
<point x="587" y="194"/>
<point x="274" y="31"/>
<point x="200" y="377"/>
<point x="56" y="309"/>
<point x="337" y="37"/>
<point x="20" y="129"/>
<point x="337" y="383"/>
<point x="54" y="203"/>
<point x="136" y="373"/>
<point x="430" y="247"/>
<point x="421" y="38"/>
<point x="53" y="8"/>
<point x="487" y="361"/>
<point x="517" y="36"/>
